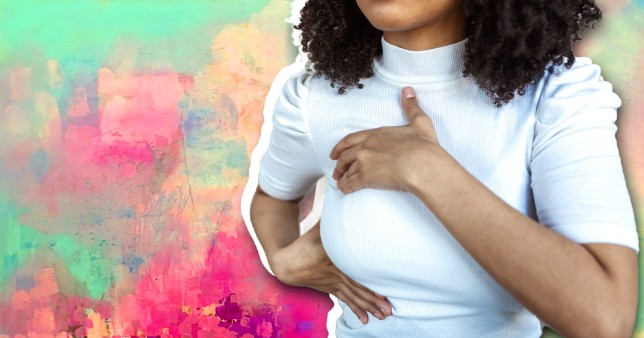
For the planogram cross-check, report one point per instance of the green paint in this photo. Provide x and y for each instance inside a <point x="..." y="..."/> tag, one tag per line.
<point x="210" y="157"/>
<point x="619" y="50"/>
<point x="549" y="333"/>
<point x="13" y="236"/>
<point x="639" y="320"/>
<point x="94" y="274"/>
<point x="61" y="28"/>
<point x="239" y="159"/>
<point x="20" y="243"/>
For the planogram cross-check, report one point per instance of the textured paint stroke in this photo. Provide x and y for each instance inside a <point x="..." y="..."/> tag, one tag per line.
<point x="126" y="129"/>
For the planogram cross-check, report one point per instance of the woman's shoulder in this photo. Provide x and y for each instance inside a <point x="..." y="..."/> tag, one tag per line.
<point x="288" y="95"/>
<point x="582" y="71"/>
<point x="293" y="81"/>
<point x="568" y="91"/>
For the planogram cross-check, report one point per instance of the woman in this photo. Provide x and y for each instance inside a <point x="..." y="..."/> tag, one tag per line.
<point x="454" y="207"/>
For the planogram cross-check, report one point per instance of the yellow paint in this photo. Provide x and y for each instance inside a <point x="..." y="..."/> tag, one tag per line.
<point x="209" y="310"/>
<point x="45" y="121"/>
<point x="54" y="77"/>
<point x="99" y="328"/>
<point x="14" y="121"/>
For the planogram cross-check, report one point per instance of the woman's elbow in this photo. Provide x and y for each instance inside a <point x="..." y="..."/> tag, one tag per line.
<point x="614" y="318"/>
<point x="617" y="324"/>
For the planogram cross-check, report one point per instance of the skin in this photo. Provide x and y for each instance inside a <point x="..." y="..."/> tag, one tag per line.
<point x="595" y="283"/>
<point x="417" y="25"/>
<point x="301" y="260"/>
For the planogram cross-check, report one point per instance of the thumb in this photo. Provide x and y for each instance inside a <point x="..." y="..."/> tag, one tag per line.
<point x="410" y="105"/>
<point x="414" y="114"/>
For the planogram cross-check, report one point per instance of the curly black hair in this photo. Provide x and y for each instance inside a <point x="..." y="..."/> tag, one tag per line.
<point x="511" y="43"/>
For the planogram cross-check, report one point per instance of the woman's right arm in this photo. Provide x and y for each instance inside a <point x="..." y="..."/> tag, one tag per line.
<point x="301" y="260"/>
<point x="288" y="169"/>
<point x="276" y="224"/>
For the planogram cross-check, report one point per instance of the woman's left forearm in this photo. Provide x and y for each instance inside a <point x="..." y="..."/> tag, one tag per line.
<point x="587" y="290"/>
<point x="555" y="278"/>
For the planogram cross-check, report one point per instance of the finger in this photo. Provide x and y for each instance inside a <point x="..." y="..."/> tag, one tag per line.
<point x="353" y="169"/>
<point x="361" y="314"/>
<point x="348" y="184"/>
<point x="377" y="305"/>
<point x="357" y="297"/>
<point x="380" y="296"/>
<point x="379" y="301"/>
<point x="349" y="141"/>
<point x="415" y="114"/>
<point x="345" y="160"/>
<point x="410" y="104"/>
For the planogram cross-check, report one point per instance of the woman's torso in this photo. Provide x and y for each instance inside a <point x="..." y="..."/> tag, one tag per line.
<point x="391" y="242"/>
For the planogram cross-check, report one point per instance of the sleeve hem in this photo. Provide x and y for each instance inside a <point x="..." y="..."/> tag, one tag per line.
<point x="597" y="233"/>
<point x="269" y="189"/>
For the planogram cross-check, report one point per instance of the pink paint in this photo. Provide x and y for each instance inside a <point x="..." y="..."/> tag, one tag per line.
<point x="127" y="315"/>
<point x="63" y="334"/>
<point x="121" y="153"/>
<point x="21" y="301"/>
<point x="265" y="329"/>
<point x="20" y="83"/>
<point x="108" y="83"/>
<point x="42" y="323"/>
<point x="44" y="312"/>
<point x="144" y="111"/>
<point x="186" y="81"/>
<point x="104" y="309"/>
<point x="200" y="273"/>
<point x="46" y="285"/>
<point x="226" y="282"/>
<point x="88" y="162"/>
<point x="78" y="106"/>
<point x="19" y="155"/>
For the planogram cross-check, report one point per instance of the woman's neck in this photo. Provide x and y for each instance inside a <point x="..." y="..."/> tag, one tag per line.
<point x="449" y="29"/>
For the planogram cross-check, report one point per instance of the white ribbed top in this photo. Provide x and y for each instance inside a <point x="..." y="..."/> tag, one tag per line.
<point x="551" y="154"/>
<point x="420" y="67"/>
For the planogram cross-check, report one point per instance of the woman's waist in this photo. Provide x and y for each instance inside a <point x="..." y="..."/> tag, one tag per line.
<point x="403" y="252"/>
<point x="384" y="232"/>
<point x="413" y="318"/>
<point x="414" y="278"/>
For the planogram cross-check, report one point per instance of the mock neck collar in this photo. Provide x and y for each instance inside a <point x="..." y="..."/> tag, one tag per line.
<point x="412" y="67"/>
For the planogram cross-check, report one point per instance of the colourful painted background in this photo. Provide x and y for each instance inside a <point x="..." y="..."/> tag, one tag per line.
<point x="126" y="129"/>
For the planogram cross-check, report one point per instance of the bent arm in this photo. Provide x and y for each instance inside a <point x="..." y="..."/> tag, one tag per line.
<point x="580" y="290"/>
<point x="275" y="222"/>
<point x="301" y="260"/>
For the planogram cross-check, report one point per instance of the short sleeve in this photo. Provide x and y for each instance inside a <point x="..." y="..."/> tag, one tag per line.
<point x="577" y="177"/>
<point x="290" y="167"/>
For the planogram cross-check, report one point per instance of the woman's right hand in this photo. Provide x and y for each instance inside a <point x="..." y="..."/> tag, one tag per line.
<point x="305" y="263"/>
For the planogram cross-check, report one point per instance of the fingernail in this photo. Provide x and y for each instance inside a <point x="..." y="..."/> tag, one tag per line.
<point x="382" y="309"/>
<point x="363" y="320"/>
<point x="409" y="92"/>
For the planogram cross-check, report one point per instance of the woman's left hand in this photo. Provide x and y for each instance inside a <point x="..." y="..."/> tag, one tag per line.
<point x="388" y="157"/>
